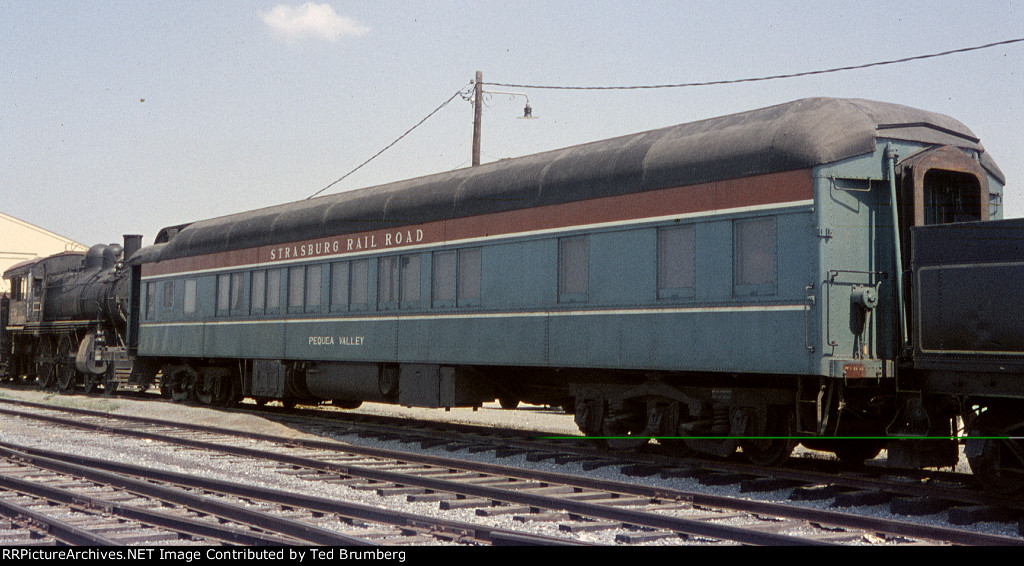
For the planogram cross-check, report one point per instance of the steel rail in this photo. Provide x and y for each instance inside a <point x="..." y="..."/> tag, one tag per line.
<point x="149" y="517"/>
<point x="113" y="477"/>
<point x="627" y="516"/>
<point x="61" y="530"/>
<point x="93" y="468"/>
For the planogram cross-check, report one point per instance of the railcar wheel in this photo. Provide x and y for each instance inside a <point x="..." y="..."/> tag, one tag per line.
<point x="46" y="363"/>
<point x="207" y="390"/>
<point x="621" y="422"/>
<point x="508" y="403"/>
<point x="230" y="391"/>
<point x="180" y="394"/>
<point x="66" y="370"/>
<point x="179" y="384"/>
<point x="997" y="462"/>
<point x="346" y="403"/>
<point x="674" y="442"/>
<point x="777" y="443"/>
<point x="212" y="387"/>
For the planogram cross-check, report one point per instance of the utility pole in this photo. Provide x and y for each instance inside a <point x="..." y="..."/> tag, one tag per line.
<point x="478" y="106"/>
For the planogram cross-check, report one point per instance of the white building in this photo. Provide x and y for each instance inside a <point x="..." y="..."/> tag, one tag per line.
<point x="20" y="241"/>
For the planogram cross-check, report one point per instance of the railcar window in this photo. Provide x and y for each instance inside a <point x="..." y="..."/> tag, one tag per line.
<point x="190" y="296"/>
<point x="150" y="300"/>
<point x="258" y="292"/>
<point x="237" y="303"/>
<point x="755" y="255"/>
<point x="296" y="288"/>
<point x="168" y="294"/>
<point x="313" y="288"/>
<point x="339" y="286"/>
<point x="468" y="280"/>
<point x="360" y="283"/>
<point x="443" y="280"/>
<point x="18" y="288"/>
<point x="950" y="196"/>
<point x="409" y="266"/>
<point x="572" y="269"/>
<point x="223" y="294"/>
<point x="387" y="282"/>
<point x="273" y="290"/>
<point x="675" y="262"/>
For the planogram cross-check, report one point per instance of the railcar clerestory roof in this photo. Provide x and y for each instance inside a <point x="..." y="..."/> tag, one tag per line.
<point x="786" y="137"/>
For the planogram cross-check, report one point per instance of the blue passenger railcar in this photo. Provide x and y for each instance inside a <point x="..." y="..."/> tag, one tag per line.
<point x="734" y="277"/>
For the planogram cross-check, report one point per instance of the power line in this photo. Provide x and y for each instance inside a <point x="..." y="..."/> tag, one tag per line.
<point x="768" y="78"/>
<point x="387" y="147"/>
<point x="679" y="85"/>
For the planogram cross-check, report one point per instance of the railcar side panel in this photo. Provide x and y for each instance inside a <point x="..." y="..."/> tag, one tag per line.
<point x="499" y="339"/>
<point x="523" y="315"/>
<point x="694" y="339"/>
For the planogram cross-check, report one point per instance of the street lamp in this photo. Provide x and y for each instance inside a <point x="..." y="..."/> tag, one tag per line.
<point x="478" y="95"/>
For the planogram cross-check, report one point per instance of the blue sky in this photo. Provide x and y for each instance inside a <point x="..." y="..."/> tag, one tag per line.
<point x="128" y="116"/>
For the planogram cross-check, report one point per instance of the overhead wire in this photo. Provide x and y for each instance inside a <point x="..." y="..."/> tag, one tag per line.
<point x="770" y="77"/>
<point x="464" y="94"/>
<point x="459" y="92"/>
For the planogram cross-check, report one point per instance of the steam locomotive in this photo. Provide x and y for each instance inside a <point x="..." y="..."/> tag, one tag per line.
<point x="826" y="271"/>
<point x="64" y="321"/>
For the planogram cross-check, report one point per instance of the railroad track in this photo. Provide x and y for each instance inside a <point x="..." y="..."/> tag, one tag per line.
<point x="572" y="506"/>
<point x="907" y="492"/>
<point x="58" y="502"/>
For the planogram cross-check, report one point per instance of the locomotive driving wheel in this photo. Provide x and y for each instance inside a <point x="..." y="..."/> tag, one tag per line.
<point x="65" y="364"/>
<point x="46" y="366"/>
<point x="110" y="382"/>
<point x="91" y="383"/>
<point x="995" y="450"/>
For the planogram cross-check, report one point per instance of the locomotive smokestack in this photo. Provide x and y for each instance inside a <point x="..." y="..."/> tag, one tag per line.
<point x="132" y="244"/>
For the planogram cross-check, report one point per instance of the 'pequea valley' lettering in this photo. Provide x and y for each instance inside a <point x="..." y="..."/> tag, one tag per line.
<point x="336" y="340"/>
<point x="344" y="245"/>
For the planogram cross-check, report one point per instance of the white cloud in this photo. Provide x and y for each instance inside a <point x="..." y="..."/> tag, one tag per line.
<point x="317" y="21"/>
